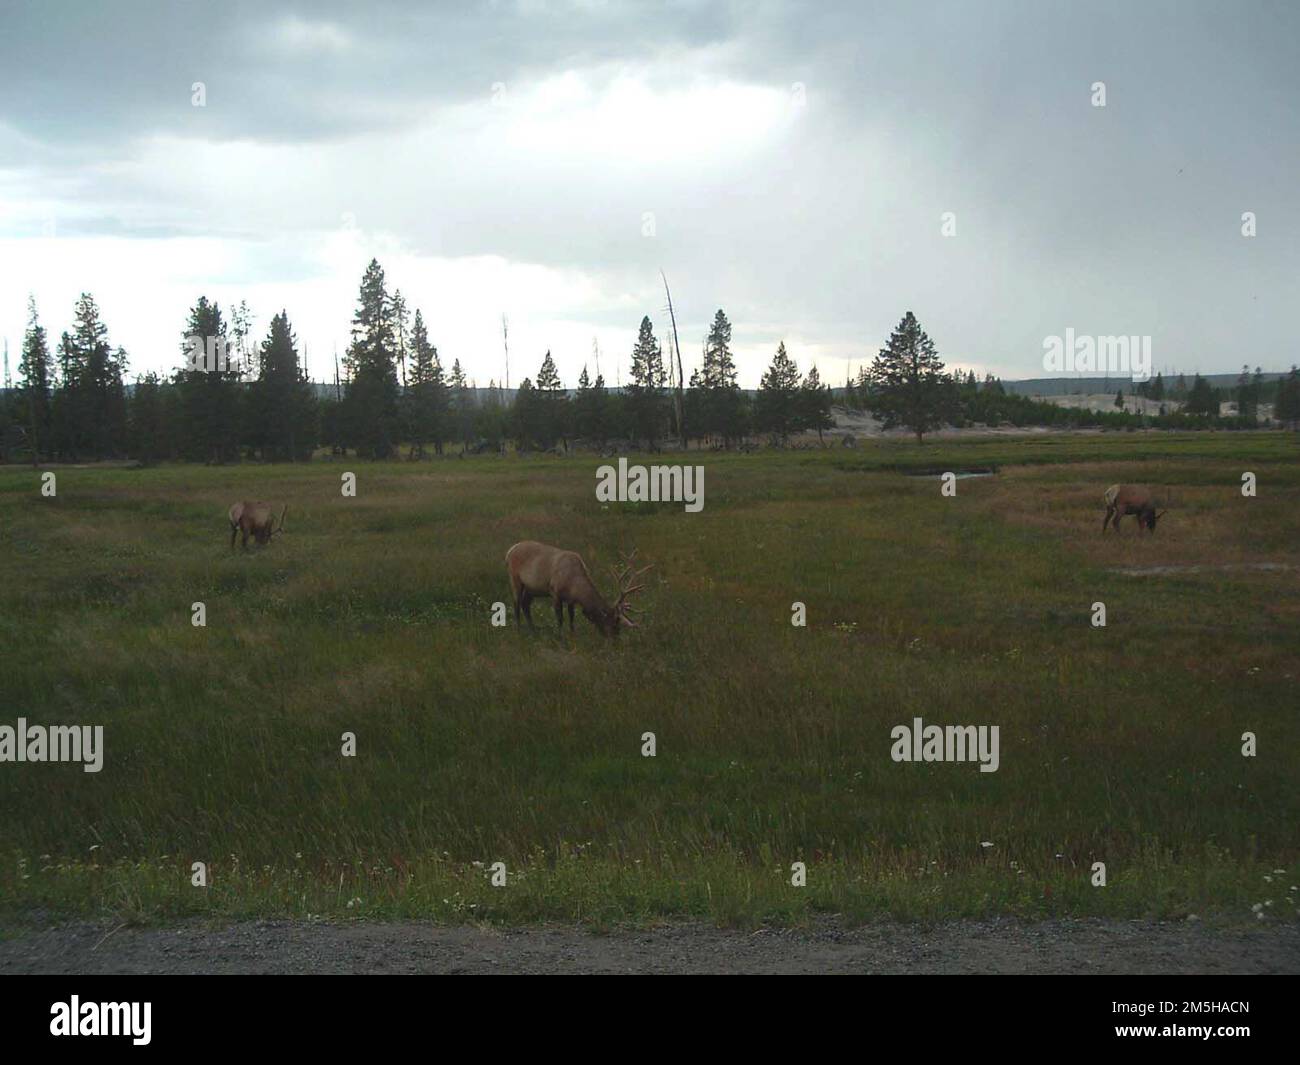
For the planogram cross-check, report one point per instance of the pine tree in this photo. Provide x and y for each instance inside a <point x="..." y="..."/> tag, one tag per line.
<point x="815" y="404"/>
<point x="241" y="328"/>
<point x="862" y="390"/>
<point x="210" y="396"/>
<point x="462" y="405"/>
<point x="147" y="420"/>
<point x="776" y="409"/>
<point x="1201" y="399"/>
<point x="602" y="413"/>
<point x="1287" y="408"/>
<point x="37" y="375"/>
<point x="909" y="385"/>
<point x="719" y="367"/>
<point x="284" y="402"/>
<point x="553" y="402"/>
<point x="525" y="416"/>
<point x="723" y="404"/>
<point x="646" y="397"/>
<point x="492" y="421"/>
<point x="1245" y="395"/>
<point x="371" y="406"/>
<point x="66" y="403"/>
<point x="696" y="419"/>
<point x="584" y="413"/>
<point x="548" y="378"/>
<point x="93" y="414"/>
<point x="114" y="427"/>
<point x="401" y="318"/>
<point x="332" y="430"/>
<point x="427" y="392"/>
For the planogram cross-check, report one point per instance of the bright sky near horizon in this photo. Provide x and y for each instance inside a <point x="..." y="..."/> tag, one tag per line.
<point x="790" y="163"/>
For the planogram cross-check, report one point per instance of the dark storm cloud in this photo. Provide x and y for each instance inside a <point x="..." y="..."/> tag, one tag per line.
<point x="820" y="220"/>
<point x="103" y="74"/>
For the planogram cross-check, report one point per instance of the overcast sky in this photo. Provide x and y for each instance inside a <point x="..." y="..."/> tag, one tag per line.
<point x="790" y="163"/>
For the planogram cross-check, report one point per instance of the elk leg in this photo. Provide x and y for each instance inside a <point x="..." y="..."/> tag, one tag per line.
<point x="527" y="597"/>
<point x="234" y="531"/>
<point x="559" y="616"/>
<point x="1110" y="511"/>
<point x="570" y="617"/>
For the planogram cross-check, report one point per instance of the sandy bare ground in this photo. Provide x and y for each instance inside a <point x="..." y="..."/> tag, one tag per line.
<point x="861" y="424"/>
<point x="1225" y="567"/>
<point x="997" y="946"/>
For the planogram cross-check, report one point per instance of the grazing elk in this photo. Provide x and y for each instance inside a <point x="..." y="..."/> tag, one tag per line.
<point x="539" y="569"/>
<point x="1122" y="499"/>
<point x="256" y="520"/>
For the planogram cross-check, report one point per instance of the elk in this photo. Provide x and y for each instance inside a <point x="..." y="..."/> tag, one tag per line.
<point x="539" y="569"/>
<point x="256" y="520"/>
<point x="1122" y="499"/>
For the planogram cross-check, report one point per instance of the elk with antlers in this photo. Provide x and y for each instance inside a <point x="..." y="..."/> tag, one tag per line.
<point x="256" y="520"/>
<point x="539" y="569"/>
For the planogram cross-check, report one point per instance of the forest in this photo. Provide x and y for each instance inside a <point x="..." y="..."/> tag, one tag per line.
<point x="393" y="396"/>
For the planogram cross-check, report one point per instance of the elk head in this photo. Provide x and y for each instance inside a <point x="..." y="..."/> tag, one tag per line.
<point x="263" y="532"/>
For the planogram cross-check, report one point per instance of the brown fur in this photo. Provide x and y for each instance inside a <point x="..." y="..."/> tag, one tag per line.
<point x="1123" y="499"/>
<point x="256" y="520"/>
<point x="538" y="569"/>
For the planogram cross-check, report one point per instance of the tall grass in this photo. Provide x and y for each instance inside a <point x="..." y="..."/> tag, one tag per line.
<point x="476" y="744"/>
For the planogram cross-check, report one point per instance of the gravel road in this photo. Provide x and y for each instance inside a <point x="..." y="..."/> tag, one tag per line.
<point x="996" y="946"/>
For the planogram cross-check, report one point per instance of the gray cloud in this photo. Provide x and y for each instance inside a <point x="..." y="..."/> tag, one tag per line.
<point x="821" y="223"/>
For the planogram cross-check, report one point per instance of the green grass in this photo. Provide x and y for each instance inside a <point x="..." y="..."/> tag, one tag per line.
<point x="478" y="744"/>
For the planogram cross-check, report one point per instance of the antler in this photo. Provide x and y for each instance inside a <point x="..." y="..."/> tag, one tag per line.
<point x="625" y="576"/>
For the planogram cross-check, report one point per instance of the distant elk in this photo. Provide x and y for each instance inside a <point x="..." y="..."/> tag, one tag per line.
<point x="256" y="520"/>
<point x="541" y="570"/>
<point x="1123" y="499"/>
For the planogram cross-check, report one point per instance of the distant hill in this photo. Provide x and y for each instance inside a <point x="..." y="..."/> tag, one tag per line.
<point x="1070" y="386"/>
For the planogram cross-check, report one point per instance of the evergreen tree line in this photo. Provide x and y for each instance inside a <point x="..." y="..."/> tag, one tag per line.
<point x="715" y="411"/>
<point x="73" y="405"/>
<point x="391" y="391"/>
<point x="907" y="386"/>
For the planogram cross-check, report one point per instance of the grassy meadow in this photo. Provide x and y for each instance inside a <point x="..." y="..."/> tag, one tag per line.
<point x="478" y="744"/>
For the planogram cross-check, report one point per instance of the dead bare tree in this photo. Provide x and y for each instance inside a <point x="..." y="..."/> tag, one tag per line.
<point x="681" y="411"/>
<point x="505" y="342"/>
